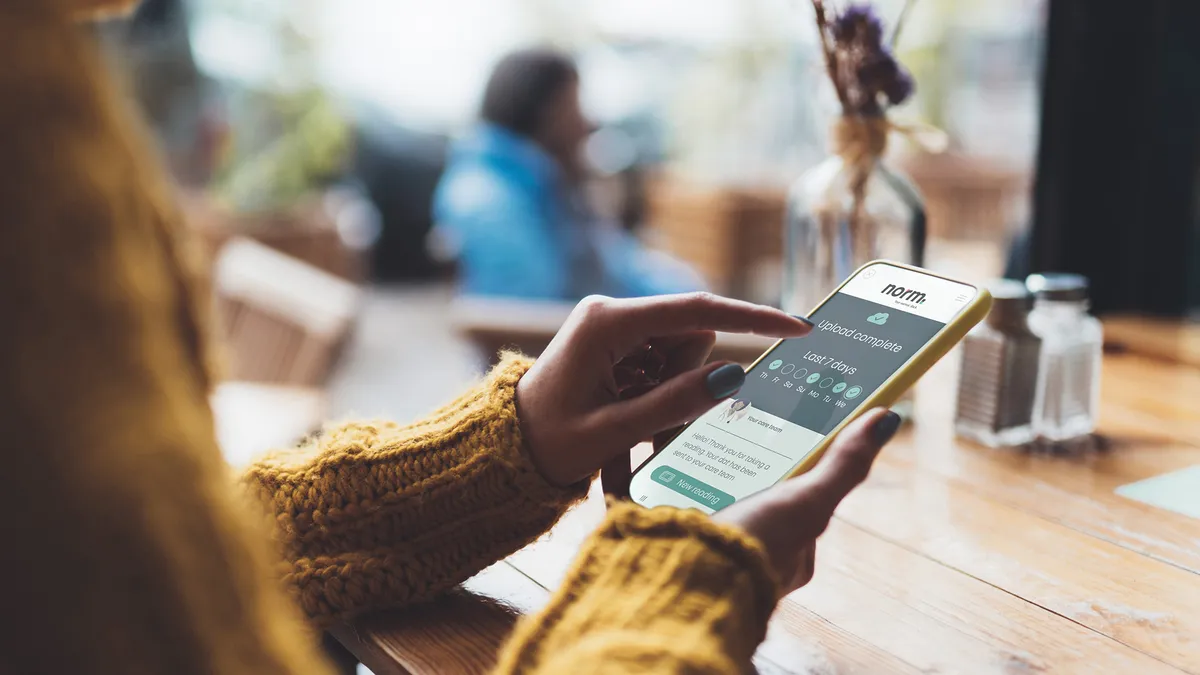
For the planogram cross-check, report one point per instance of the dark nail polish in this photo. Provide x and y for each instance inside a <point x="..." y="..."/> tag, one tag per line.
<point x="804" y="319"/>
<point x="886" y="427"/>
<point x="725" y="380"/>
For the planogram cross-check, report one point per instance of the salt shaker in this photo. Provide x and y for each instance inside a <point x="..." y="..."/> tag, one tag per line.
<point x="1068" y="391"/>
<point x="998" y="378"/>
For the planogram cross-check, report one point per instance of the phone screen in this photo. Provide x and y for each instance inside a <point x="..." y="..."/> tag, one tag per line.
<point x="802" y="389"/>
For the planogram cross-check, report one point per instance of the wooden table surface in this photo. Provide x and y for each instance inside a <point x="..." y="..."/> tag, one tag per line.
<point x="951" y="558"/>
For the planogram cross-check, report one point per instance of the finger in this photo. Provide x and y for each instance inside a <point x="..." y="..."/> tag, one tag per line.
<point x="681" y="399"/>
<point x="615" y="476"/>
<point x="806" y="566"/>
<point x="640" y="319"/>
<point x="636" y="390"/>
<point x="846" y="463"/>
<point x="663" y="437"/>
<point x="685" y="352"/>
<point x="662" y="359"/>
<point x="627" y="376"/>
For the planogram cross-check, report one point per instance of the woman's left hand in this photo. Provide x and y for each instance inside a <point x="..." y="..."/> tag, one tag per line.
<point x="620" y="371"/>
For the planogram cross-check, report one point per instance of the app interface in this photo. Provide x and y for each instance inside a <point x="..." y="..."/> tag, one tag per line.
<point x="802" y="390"/>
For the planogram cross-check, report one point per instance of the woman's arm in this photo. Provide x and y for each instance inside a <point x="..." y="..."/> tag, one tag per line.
<point x="375" y="514"/>
<point x="666" y="591"/>
<point x="654" y="591"/>
<point x="127" y="548"/>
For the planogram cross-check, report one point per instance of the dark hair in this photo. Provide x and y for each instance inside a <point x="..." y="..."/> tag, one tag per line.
<point x="521" y="86"/>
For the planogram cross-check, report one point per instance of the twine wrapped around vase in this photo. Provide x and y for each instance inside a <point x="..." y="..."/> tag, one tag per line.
<point x="860" y="141"/>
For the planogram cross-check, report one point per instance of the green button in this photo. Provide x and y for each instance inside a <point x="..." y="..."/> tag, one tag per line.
<point x="853" y="392"/>
<point x="696" y="490"/>
<point x="839" y="387"/>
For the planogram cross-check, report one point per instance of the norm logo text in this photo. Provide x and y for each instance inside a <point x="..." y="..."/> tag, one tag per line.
<point x="915" y="297"/>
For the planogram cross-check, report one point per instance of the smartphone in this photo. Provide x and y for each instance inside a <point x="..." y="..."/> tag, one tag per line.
<point x="872" y="338"/>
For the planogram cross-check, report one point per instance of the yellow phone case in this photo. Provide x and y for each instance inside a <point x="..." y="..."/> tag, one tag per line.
<point x="900" y="381"/>
<point x="909" y="374"/>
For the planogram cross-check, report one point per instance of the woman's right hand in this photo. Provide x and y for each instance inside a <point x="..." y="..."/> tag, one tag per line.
<point x="788" y="518"/>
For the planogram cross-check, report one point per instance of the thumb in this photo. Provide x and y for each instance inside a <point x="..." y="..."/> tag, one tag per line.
<point x="844" y="466"/>
<point x="676" y="401"/>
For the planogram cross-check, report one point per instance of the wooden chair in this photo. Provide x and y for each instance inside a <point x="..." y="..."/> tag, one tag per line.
<point x="284" y="321"/>
<point x="968" y="198"/>
<point x="730" y="235"/>
<point x="307" y="230"/>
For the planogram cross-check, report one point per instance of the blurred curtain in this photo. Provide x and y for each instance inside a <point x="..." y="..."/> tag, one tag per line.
<point x="1116" y="193"/>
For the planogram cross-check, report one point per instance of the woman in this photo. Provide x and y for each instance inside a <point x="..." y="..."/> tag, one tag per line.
<point x="512" y="203"/>
<point x="128" y="548"/>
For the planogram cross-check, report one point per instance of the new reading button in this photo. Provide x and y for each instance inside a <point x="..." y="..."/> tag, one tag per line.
<point x="696" y="490"/>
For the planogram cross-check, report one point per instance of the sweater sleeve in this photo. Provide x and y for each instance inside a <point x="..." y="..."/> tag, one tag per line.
<point x="653" y="591"/>
<point x="375" y="514"/>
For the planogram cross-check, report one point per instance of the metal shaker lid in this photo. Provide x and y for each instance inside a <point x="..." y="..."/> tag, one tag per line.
<point x="1011" y="301"/>
<point x="1058" y="286"/>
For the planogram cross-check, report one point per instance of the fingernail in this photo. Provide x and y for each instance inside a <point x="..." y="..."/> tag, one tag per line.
<point x="804" y="319"/>
<point x="725" y="380"/>
<point x="886" y="427"/>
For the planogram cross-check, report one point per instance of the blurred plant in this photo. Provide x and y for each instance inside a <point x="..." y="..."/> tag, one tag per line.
<point x="862" y="67"/>
<point x="287" y="138"/>
<point x="299" y="143"/>
<point x="852" y="208"/>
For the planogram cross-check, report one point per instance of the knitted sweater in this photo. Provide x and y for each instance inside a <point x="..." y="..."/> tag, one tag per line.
<point x="128" y="547"/>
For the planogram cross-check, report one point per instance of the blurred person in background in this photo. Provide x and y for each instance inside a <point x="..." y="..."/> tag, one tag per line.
<point x="512" y="203"/>
<point x="130" y="548"/>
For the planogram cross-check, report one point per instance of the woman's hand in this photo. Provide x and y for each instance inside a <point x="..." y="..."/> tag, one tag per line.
<point x="620" y="371"/>
<point x="789" y="517"/>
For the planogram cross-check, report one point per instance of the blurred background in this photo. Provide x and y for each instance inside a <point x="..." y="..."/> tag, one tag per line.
<point x="370" y="243"/>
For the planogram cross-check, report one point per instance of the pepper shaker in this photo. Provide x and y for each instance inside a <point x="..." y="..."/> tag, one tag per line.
<point x="999" y="375"/>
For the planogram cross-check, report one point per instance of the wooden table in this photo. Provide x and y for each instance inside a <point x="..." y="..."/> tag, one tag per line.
<point x="1165" y="339"/>
<point x="950" y="559"/>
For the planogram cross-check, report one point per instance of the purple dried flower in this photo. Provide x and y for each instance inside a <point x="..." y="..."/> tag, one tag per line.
<point x="899" y="88"/>
<point x="867" y="75"/>
<point x="874" y="69"/>
<point x="878" y="71"/>
<point x="859" y="23"/>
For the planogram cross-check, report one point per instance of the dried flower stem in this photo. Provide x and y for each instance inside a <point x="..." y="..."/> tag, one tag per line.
<point x="831" y="59"/>
<point x="900" y="18"/>
<point x="867" y="79"/>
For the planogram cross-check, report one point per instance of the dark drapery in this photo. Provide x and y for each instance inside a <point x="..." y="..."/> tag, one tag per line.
<point x="1116" y="193"/>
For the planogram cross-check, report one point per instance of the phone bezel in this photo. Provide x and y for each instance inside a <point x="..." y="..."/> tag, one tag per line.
<point x="897" y="383"/>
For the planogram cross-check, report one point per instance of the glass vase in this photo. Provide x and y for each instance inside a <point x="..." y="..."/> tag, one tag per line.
<point x="829" y="234"/>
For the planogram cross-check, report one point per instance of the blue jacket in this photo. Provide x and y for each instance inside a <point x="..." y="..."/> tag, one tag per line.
<point x="518" y="229"/>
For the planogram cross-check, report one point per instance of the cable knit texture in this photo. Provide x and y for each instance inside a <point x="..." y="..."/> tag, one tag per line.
<point x="375" y="514"/>
<point x="653" y="591"/>
<point x="127" y="547"/>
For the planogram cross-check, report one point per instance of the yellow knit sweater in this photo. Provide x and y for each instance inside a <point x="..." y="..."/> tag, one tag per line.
<point x="127" y="547"/>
